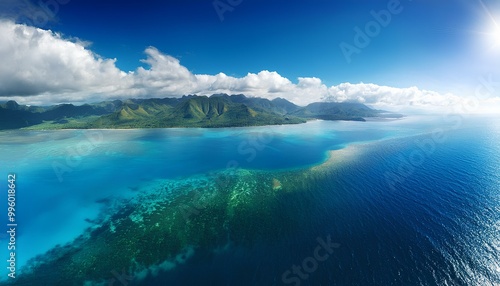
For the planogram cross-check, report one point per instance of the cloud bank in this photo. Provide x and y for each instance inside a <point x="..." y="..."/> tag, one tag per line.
<point x="42" y="67"/>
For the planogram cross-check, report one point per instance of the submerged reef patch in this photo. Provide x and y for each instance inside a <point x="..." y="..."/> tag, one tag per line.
<point x="169" y="220"/>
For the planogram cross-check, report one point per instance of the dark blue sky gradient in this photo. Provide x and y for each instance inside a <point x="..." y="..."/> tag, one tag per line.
<point x="430" y="44"/>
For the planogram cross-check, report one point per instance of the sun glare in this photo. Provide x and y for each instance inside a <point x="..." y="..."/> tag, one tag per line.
<point x="495" y="37"/>
<point x="493" y="30"/>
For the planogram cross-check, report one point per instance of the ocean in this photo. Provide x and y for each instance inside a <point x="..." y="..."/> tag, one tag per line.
<point x="414" y="201"/>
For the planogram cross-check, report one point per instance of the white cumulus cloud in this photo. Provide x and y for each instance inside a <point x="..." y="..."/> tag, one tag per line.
<point x="388" y="97"/>
<point x="36" y="61"/>
<point x="43" y="67"/>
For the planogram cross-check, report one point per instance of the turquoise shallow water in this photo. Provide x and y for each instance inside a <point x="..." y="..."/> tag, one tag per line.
<point x="403" y="212"/>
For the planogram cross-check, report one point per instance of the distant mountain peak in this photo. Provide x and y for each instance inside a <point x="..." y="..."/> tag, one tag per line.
<point x="217" y="110"/>
<point x="12" y="105"/>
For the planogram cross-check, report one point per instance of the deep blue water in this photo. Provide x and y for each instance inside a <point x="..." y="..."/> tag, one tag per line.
<point x="401" y="214"/>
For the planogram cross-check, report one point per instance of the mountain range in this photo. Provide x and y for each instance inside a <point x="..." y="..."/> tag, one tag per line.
<point x="218" y="110"/>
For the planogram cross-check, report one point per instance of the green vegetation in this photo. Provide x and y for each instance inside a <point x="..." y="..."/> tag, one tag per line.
<point x="218" y="110"/>
<point x="196" y="111"/>
<point x="341" y="111"/>
<point x="64" y="123"/>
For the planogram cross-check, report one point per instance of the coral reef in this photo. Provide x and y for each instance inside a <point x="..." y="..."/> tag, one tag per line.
<point x="166" y="217"/>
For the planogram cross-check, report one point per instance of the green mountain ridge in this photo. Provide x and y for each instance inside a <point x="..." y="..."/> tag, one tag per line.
<point x="341" y="111"/>
<point x="218" y="110"/>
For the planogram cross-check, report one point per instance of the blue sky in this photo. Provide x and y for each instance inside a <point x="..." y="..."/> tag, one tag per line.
<point x="294" y="38"/>
<point x="439" y="46"/>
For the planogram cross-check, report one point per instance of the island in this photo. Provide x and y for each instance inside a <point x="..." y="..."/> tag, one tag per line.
<point x="217" y="110"/>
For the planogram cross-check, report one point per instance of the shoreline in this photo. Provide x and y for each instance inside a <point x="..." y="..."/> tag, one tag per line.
<point x="308" y="120"/>
<point x="156" y="128"/>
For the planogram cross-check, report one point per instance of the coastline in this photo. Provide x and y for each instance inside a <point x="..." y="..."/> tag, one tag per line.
<point x="307" y="120"/>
